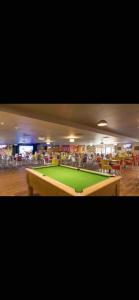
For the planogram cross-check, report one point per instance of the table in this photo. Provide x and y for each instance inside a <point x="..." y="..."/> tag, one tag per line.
<point x="70" y="181"/>
<point x="113" y="161"/>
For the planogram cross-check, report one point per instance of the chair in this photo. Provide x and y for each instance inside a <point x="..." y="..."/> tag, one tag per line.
<point x="128" y="162"/>
<point x="105" y="165"/>
<point x="55" y="162"/>
<point x="117" y="167"/>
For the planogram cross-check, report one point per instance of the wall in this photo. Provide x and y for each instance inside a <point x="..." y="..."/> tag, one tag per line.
<point x="132" y="149"/>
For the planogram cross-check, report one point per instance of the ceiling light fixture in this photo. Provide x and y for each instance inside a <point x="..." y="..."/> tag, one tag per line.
<point x="102" y="123"/>
<point x="41" y="138"/>
<point x="71" y="140"/>
<point x="2" y="123"/>
<point x="16" y="127"/>
<point x="48" y="141"/>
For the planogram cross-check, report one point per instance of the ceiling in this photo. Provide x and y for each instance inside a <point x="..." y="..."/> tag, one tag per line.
<point x="60" y="121"/>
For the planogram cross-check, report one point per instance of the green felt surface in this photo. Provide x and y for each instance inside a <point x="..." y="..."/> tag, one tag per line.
<point x="77" y="179"/>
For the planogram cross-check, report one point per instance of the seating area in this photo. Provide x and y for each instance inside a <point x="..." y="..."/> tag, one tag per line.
<point x="113" y="165"/>
<point x="11" y="163"/>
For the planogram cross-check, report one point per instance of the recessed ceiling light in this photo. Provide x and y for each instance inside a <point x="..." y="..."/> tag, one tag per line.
<point x="16" y="127"/>
<point x="1" y="123"/>
<point x="102" y="123"/>
<point x="71" y="140"/>
<point x="41" y="138"/>
<point x="48" y="141"/>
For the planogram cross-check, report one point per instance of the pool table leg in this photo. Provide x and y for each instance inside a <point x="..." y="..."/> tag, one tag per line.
<point x="30" y="190"/>
<point x="118" y="189"/>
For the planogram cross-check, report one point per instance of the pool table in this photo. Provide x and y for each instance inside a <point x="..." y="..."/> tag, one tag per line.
<point x="69" y="181"/>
